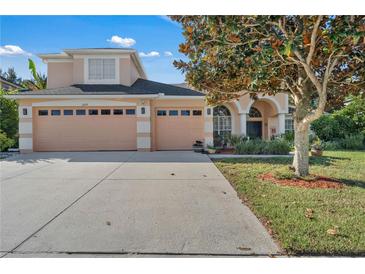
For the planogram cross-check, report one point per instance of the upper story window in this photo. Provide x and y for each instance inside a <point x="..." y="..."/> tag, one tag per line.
<point x="101" y="69"/>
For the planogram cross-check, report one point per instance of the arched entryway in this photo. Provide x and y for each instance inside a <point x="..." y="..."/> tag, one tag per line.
<point x="254" y="124"/>
<point x="222" y="125"/>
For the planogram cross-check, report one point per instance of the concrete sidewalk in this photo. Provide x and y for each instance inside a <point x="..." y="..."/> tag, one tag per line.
<point x="123" y="204"/>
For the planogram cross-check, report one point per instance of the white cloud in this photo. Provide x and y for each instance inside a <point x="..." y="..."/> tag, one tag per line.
<point x="122" y="42"/>
<point x="150" y="54"/>
<point x="168" y="53"/>
<point x="12" y="50"/>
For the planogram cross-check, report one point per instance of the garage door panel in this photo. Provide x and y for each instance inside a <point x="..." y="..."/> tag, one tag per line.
<point x="178" y="132"/>
<point x="85" y="132"/>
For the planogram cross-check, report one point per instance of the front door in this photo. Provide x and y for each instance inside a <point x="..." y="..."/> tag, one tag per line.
<point x="254" y="129"/>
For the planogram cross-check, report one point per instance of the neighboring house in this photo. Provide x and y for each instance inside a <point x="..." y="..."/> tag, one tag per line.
<point x="100" y="99"/>
<point x="7" y="85"/>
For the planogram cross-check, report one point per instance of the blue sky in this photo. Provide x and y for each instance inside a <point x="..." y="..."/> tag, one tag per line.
<point x="51" y="34"/>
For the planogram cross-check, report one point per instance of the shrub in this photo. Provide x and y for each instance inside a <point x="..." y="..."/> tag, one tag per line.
<point x="250" y="147"/>
<point x="234" y="140"/>
<point x="356" y="112"/>
<point x="347" y="121"/>
<point x="331" y="127"/>
<point x="331" y="145"/>
<point x="353" y="141"/>
<point x="5" y="142"/>
<point x="9" y="116"/>
<point x="277" y="146"/>
<point x="288" y="136"/>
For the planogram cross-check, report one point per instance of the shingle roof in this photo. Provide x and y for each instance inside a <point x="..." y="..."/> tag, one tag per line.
<point x="89" y="90"/>
<point x="9" y="82"/>
<point x="165" y="88"/>
<point x="140" y="87"/>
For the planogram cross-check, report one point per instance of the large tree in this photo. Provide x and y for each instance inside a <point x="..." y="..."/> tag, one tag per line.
<point x="315" y="59"/>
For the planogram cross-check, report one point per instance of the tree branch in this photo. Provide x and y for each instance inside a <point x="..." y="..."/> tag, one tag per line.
<point x="309" y="72"/>
<point x="313" y="40"/>
<point x="328" y="72"/>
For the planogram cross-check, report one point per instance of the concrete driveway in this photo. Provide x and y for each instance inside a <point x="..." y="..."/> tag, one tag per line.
<point x="123" y="204"/>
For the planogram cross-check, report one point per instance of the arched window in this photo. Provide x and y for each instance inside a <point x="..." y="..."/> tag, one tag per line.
<point x="221" y="111"/>
<point x="222" y="124"/>
<point x="254" y="113"/>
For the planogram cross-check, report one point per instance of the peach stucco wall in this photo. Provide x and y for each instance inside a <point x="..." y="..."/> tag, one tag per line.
<point x="59" y="75"/>
<point x="125" y="71"/>
<point x="78" y="75"/>
<point x="281" y="99"/>
<point x="134" y="74"/>
<point x="62" y="74"/>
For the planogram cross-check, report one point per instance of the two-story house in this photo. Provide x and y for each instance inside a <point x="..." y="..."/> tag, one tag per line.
<point x="100" y="99"/>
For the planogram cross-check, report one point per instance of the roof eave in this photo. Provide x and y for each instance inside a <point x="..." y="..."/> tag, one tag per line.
<point x="98" y="96"/>
<point x="80" y="96"/>
<point x="93" y="51"/>
<point x="137" y="61"/>
<point x="62" y="55"/>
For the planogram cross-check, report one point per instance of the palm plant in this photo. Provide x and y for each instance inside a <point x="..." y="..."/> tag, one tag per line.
<point x="39" y="80"/>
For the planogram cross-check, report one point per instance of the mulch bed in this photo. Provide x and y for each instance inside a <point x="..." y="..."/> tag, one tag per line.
<point x="318" y="182"/>
<point x="226" y="151"/>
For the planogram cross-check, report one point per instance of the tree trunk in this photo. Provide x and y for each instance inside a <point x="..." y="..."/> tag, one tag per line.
<point x="301" y="145"/>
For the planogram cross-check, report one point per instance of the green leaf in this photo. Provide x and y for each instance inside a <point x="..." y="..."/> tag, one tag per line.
<point x="356" y="39"/>
<point x="288" y="49"/>
<point x="32" y="68"/>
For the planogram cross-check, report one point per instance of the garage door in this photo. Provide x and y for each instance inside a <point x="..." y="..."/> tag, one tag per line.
<point x="178" y="128"/>
<point x="84" y="129"/>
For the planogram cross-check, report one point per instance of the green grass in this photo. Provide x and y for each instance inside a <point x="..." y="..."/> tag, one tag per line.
<point x="284" y="207"/>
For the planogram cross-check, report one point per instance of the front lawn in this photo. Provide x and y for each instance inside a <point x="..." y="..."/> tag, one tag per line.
<point x="306" y="221"/>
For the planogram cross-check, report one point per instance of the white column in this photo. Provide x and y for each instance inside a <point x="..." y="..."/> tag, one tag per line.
<point x="25" y="129"/>
<point x="243" y="121"/>
<point x="143" y="128"/>
<point x="208" y="126"/>
<point x="281" y="123"/>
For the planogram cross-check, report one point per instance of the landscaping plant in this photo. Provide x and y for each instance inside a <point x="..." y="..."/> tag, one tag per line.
<point x="278" y="146"/>
<point x="39" y="80"/>
<point x="344" y="122"/>
<point x="5" y="142"/>
<point x="353" y="142"/>
<point x="8" y="121"/>
<point x="234" y="140"/>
